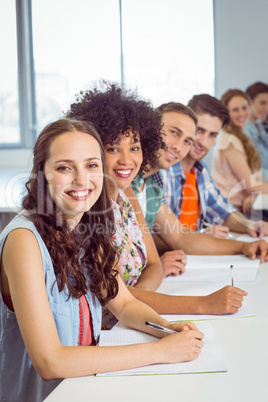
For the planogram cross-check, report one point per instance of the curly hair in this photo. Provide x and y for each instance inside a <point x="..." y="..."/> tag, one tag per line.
<point x="253" y="157"/>
<point x="84" y="258"/>
<point x="115" y="110"/>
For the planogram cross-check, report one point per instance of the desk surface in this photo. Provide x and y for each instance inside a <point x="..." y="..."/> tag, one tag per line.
<point x="244" y="347"/>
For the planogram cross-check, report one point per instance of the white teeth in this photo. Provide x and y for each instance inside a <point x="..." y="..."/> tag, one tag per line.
<point x="172" y="156"/>
<point x="124" y="172"/>
<point x="79" y="193"/>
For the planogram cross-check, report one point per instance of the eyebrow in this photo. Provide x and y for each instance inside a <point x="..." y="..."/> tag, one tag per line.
<point x="190" y="138"/>
<point x="118" y="142"/>
<point x="71" y="161"/>
<point x="177" y="129"/>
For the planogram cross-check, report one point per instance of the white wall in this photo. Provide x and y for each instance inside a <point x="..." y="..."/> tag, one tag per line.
<point x="241" y="43"/>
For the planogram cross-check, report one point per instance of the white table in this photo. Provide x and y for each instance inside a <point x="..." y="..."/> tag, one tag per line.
<point x="244" y="345"/>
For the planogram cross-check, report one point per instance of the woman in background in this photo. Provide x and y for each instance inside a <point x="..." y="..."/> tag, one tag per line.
<point x="236" y="161"/>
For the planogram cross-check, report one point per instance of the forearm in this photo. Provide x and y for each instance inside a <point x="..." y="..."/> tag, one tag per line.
<point x="88" y="360"/>
<point x="167" y="304"/>
<point x="202" y="244"/>
<point x="237" y="222"/>
<point x="151" y="277"/>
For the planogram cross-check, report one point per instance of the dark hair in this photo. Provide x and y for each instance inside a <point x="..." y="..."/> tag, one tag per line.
<point x="256" y="89"/>
<point x="114" y="111"/>
<point x="204" y="103"/>
<point x="178" y="108"/>
<point x="253" y="157"/>
<point x="84" y="258"/>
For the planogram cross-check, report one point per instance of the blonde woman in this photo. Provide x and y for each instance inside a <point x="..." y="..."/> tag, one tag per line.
<point x="236" y="161"/>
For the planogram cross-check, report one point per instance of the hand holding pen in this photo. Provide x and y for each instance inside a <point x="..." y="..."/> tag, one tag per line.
<point x="185" y="345"/>
<point x="219" y="231"/>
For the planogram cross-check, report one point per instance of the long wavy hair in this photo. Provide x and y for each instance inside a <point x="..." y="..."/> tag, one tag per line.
<point x="114" y="110"/>
<point x="84" y="258"/>
<point x="253" y="157"/>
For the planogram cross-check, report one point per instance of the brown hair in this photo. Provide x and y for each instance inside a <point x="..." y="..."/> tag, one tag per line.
<point x="84" y="258"/>
<point x="178" y="108"/>
<point x="256" y="89"/>
<point x="253" y="157"/>
<point x="207" y="104"/>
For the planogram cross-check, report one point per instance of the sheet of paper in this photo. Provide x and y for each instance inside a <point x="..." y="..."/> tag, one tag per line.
<point x="248" y="239"/>
<point x="209" y="360"/>
<point x="214" y="268"/>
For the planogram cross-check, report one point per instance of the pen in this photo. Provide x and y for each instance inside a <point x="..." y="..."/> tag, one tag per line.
<point x="160" y="328"/>
<point x="231" y="267"/>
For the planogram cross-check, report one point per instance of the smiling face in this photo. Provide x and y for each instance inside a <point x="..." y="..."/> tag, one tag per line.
<point x="208" y="128"/>
<point x="259" y="107"/>
<point x="123" y="159"/>
<point x="239" y="111"/>
<point x="179" y="133"/>
<point x="74" y="174"/>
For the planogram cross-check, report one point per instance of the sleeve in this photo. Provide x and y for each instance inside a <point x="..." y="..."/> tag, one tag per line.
<point x="227" y="139"/>
<point x="218" y="207"/>
<point x="172" y="191"/>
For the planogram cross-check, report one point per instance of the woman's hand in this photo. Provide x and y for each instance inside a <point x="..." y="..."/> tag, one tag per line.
<point x="174" y="262"/>
<point x="181" y="347"/>
<point x="224" y="301"/>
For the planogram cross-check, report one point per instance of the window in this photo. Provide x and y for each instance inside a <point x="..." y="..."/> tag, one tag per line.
<point x="168" y="54"/>
<point x="9" y="109"/>
<point x="75" y="43"/>
<point x="169" y="48"/>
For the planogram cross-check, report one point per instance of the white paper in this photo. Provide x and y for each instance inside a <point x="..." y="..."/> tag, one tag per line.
<point x="209" y="360"/>
<point x="213" y="268"/>
<point x="248" y="239"/>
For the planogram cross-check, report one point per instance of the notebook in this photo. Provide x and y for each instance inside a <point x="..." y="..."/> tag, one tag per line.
<point x="213" y="268"/>
<point x="209" y="360"/>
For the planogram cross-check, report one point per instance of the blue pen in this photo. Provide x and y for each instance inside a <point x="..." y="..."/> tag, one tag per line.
<point x="231" y="267"/>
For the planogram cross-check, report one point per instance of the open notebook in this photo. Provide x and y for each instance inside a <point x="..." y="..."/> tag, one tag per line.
<point x="212" y="268"/>
<point x="209" y="360"/>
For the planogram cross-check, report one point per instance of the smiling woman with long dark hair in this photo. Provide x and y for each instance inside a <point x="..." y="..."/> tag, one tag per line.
<point x="58" y="267"/>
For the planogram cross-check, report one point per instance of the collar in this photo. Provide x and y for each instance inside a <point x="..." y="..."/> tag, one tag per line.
<point x="199" y="166"/>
